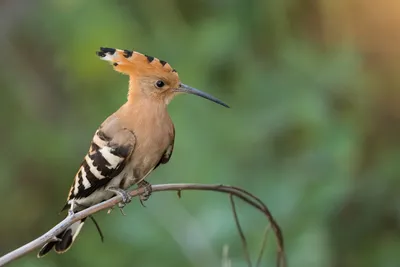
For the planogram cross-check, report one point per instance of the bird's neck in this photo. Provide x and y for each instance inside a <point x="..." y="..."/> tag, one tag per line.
<point x="141" y="105"/>
<point x="135" y="95"/>
<point x="144" y="115"/>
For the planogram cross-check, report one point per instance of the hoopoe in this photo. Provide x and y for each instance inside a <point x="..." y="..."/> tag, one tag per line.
<point x="130" y="143"/>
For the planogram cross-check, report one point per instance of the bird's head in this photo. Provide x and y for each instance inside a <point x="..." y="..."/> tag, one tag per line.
<point x="150" y="76"/>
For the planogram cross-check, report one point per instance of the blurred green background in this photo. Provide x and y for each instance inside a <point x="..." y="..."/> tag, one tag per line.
<point x="314" y="128"/>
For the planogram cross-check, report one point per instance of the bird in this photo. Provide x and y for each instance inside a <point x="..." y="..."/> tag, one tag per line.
<point x="131" y="143"/>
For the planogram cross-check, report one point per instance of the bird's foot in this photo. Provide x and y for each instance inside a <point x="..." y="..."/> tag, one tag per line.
<point x="147" y="191"/>
<point x="110" y="210"/>
<point x="126" y="197"/>
<point x="121" y="209"/>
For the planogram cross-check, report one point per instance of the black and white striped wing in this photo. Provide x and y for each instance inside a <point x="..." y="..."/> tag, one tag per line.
<point x="106" y="159"/>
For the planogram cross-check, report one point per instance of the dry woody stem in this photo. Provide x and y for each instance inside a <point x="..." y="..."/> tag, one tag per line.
<point x="231" y="190"/>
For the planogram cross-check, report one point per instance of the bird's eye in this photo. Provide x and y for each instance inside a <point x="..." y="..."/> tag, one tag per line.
<point x="160" y="84"/>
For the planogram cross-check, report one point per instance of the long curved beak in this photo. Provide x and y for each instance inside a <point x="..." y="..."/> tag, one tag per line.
<point x="183" y="88"/>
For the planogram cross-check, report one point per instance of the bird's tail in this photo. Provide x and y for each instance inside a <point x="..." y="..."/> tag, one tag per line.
<point x="65" y="239"/>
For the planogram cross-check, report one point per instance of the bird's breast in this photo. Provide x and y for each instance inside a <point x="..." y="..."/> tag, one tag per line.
<point x="152" y="141"/>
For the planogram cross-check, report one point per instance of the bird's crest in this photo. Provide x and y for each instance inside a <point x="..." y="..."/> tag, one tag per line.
<point x="149" y="76"/>
<point x="136" y="64"/>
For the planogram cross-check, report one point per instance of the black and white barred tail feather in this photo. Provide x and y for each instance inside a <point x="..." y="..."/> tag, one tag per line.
<point x="65" y="239"/>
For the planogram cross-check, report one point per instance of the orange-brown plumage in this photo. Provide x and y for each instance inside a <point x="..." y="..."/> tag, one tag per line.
<point x="131" y="142"/>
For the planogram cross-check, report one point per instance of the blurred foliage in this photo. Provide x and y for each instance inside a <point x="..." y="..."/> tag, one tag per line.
<point x="313" y="130"/>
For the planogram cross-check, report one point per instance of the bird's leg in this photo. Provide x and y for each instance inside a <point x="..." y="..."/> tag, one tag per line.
<point x="147" y="191"/>
<point x="72" y="208"/>
<point x="126" y="197"/>
<point x="75" y="207"/>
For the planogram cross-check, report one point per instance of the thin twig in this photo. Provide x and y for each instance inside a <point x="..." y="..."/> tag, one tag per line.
<point x="238" y="192"/>
<point x="281" y="259"/>
<point x="242" y="236"/>
<point x="98" y="228"/>
<point x="263" y="245"/>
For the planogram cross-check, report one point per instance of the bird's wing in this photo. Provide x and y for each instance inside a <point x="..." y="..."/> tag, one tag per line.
<point x="168" y="153"/>
<point x="111" y="148"/>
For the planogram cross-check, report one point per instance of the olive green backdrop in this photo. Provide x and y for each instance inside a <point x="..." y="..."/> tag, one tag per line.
<point x="313" y="129"/>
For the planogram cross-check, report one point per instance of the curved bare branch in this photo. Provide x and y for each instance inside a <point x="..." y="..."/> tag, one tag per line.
<point x="233" y="191"/>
